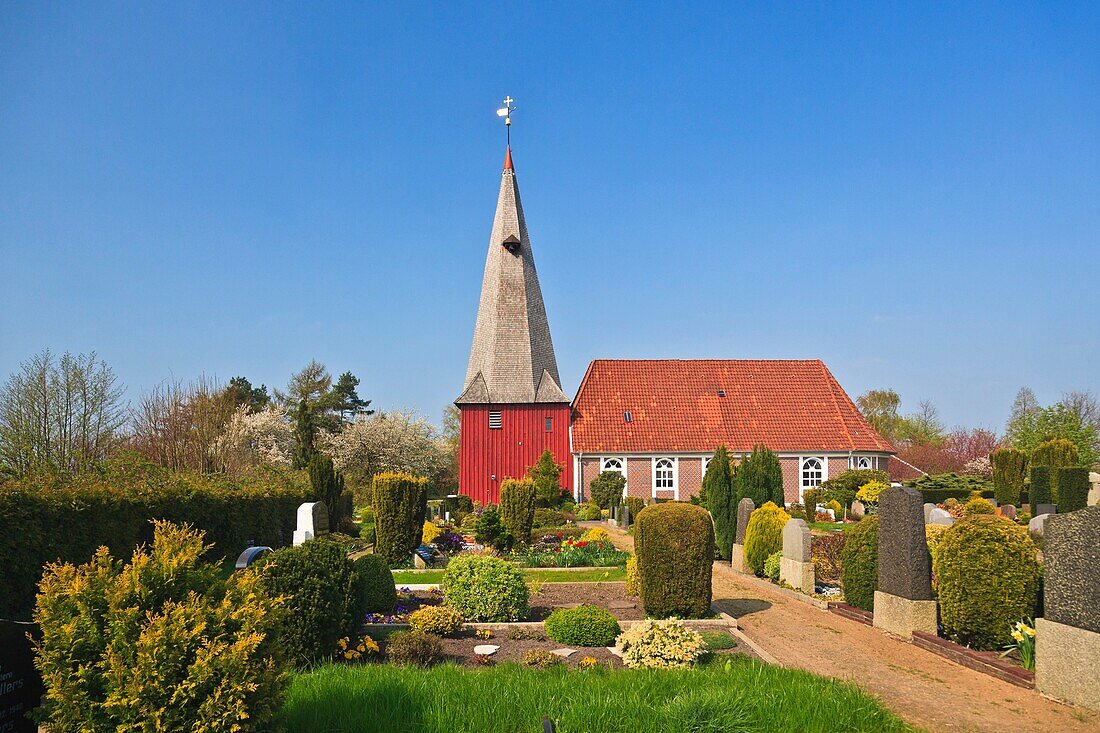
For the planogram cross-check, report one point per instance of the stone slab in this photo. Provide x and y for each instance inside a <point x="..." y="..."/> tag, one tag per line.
<point x="798" y="575"/>
<point x="486" y="649"/>
<point x="928" y="507"/>
<point x="1071" y="569"/>
<point x="621" y="605"/>
<point x="1036" y="528"/>
<point x="616" y="651"/>
<point x="796" y="540"/>
<point x="940" y="516"/>
<point x="745" y="509"/>
<point x="737" y="559"/>
<point x="1045" y="509"/>
<point x="564" y="653"/>
<point x="902" y="616"/>
<point x="904" y="565"/>
<point x="1065" y="663"/>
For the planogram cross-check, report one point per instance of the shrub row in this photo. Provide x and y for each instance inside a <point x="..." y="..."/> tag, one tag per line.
<point x="941" y="487"/>
<point x="49" y="518"/>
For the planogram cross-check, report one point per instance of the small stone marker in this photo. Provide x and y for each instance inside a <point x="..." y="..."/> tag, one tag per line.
<point x="941" y="516"/>
<point x="312" y="521"/>
<point x="1008" y="511"/>
<point x="621" y="605"/>
<point x="563" y="653"/>
<point x="1045" y="509"/>
<point x="487" y="650"/>
<point x="822" y="509"/>
<point x="858" y="509"/>
<point x="1067" y="640"/>
<point x="795" y="568"/>
<point x="903" y="601"/>
<point x="928" y="507"/>
<point x="745" y="509"/>
<point x="1036" y="527"/>
<point x="615" y="650"/>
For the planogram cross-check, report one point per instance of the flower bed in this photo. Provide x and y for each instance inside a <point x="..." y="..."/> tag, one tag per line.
<point x="569" y="553"/>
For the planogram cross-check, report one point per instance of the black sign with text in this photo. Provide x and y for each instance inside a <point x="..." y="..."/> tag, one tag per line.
<point x="20" y="686"/>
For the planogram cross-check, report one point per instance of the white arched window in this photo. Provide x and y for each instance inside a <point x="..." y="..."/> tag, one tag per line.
<point x="813" y="472"/>
<point x="863" y="463"/>
<point x="706" y="463"/>
<point x="612" y="464"/>
<point x="664" y="474"/>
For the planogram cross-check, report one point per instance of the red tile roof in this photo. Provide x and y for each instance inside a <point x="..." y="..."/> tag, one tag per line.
<point x="788" y="405"/>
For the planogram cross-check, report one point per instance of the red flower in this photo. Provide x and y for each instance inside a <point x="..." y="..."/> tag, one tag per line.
<point x="580" y="544"/>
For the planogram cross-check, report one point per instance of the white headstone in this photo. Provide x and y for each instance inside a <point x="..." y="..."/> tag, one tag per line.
<point x="312" y="521"/>
<point x="928" y="507"/>
<point x="940" y="516"/>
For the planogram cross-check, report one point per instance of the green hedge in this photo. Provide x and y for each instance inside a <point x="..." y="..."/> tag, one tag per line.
<point x="1040" y="490"/>
<point x="987" y="575"/>
<point x="674" y="543"/>
<point x="1009" y="471"/>
<point x="941" y="487"/>
<point x="1073" y="488"/>
<point x="859" y="564"/>
<point x="48" y="518"/>
<point x="517" y="508"/>
<point x="400" y="505"/>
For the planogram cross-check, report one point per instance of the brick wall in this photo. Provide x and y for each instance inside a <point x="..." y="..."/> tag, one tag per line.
<point x="639" y="477"/>
<point x="791" y="480"/>
<point x="690" y="478"/>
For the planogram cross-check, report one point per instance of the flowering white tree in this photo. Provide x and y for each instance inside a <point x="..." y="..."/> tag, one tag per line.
<point x="253" y="438"/>
<point x="387" y="441"/>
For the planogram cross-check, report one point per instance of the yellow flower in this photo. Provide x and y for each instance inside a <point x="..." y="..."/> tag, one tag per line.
<point x="1017" y="636"/>
<point x="360" y="648"/>
<point x="348" y="655"/>
<point x="343" y="643"/>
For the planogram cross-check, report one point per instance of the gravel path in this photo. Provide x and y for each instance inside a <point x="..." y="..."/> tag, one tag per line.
<point x="926" y="690"/>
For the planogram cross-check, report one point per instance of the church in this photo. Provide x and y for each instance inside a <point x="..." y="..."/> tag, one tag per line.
<point x="656" y="421"/>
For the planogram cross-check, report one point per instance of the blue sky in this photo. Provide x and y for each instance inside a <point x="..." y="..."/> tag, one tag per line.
<point x="912" y="195"/>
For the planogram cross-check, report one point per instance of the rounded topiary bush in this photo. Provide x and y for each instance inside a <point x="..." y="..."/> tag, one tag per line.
<point x="323" y="593"/>
<point x="664" y="644"/>
<point x="484" y="588"/>
<point x="438" y="620"/>
<point x="764" y="535"/>
<point x="414" y="647"/>
<point x="375" y="583"/>
<point x="978" y="505"/>
<point x="859" y="564"/>
<point x="674" y="543"/>
<point x="582" y="626"/>
<point x="987" y="574"/>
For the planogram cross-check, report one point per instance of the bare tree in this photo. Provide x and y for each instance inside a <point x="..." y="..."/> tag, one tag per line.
<point x="63" y="414"/>
<point x="180" y="425"/>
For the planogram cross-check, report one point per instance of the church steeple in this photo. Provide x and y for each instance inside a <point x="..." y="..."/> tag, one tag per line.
<point x="512" y="358"/>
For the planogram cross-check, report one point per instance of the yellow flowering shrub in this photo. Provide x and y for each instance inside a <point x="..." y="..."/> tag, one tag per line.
<point x="431" y="531"/>
<point x="870" y="492"/>
<point x="596" y="534"/>
<point x="633" y="582"/>
<point x="663" y="644"/>
<point x="160" y="642"/>
<point x="978" y="505"/>
<point x="438" y="620"/>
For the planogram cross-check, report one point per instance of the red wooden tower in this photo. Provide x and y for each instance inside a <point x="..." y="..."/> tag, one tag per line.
<point x="512" y="405"/>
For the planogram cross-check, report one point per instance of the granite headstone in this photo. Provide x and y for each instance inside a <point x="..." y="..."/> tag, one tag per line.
<point x="904" y="565"/>
<point x="1071" y="570"/>
<point x="744" y="510"/>
<point x="1008" y="511"/>
<point x="796" y="540"/>
<point x="1045" y="509"/>
<point x="312" y="521"/>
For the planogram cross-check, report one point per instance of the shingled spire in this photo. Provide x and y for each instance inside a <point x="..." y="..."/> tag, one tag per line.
<point x="512" y="358"/>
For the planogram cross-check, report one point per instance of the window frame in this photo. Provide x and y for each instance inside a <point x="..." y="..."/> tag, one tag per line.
<point x="673" y="477"/>
<point x="823" y="468"/>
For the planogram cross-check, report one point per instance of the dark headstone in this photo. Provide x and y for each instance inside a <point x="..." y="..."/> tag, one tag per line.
<point x="744" y="509"/>
<point x="20" y="685"/>
<point x="904" y="565"/>
<point x="249" y="556"/>
<point x="1045" y="509"/>
<point x="1071" y="572"/>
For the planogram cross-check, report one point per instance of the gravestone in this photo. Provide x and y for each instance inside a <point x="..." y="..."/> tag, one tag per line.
<point x="249" y="556"/>
<point x="795" y="567"/>
<point x="903" y="601"/>
<point x="821" y="509"/>
<point x="745" y="509"/>
<point x="312" y="521"/>
<point x="20" y="684"/>
<point x="858" y="509"/>
<point x="940" y="516"/>
<point x="928" y="507"/>
<point x="1045" y="509"/>
<point x="1008" y="511"/>
<point x="1036" y="528"/>
<point x="1068" y="635"/>
<point x="1094" y="490"/>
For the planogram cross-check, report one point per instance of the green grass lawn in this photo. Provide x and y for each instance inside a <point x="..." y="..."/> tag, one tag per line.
<point x="546" y="575"/>
<point x="827" y="526"/>
<point x="730" y="694"/>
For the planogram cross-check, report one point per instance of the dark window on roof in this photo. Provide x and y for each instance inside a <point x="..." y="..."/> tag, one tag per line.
<point x="721" y="393"/>
<point x="627" y="417"/>
<point x="495" y="420"/>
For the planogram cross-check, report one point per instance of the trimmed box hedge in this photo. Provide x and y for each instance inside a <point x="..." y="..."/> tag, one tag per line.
<point x="50" y="518"/>
<point x="1073" y="488"/>
<point x="674" y="543"/>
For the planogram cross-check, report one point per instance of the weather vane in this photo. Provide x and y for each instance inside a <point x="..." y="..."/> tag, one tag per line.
<point x="506" y="112"/>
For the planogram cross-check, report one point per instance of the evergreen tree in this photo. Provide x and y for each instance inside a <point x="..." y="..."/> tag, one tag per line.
<point x="721" y="501"/>
<point x="345" y="400"/>
<point x="328" y="486"/>
<point x="241" y="392"/>
<point x="546" y="473"/>
<point x="760" y="478"/>
<point x="306" y="431"/>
